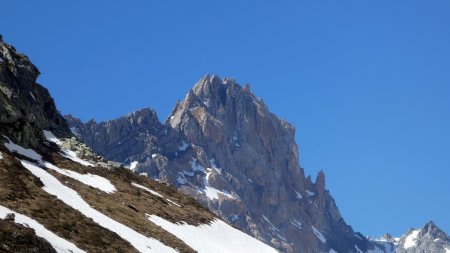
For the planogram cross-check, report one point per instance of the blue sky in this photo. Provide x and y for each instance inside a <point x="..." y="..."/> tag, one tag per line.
<point x="366" y="83"/>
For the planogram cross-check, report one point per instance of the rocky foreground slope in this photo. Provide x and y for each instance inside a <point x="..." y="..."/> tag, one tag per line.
<point x="56" y="195"/>
<point x="224" y="147"/>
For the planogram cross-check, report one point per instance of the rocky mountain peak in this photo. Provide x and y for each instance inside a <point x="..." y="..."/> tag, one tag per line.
<point x="143" y="117"/>
<point x="388" y="237"/>
<point x="429" y="238"/>
<point x="430" y="227"/>
<point x="433" y="231"/>
<point x="223" y="146"/>
<point x="320" y="181"/>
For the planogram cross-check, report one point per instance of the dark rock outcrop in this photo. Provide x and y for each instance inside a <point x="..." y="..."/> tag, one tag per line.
<point x="25" y="106"/>
<point x="18" y="238"/>
<point x="223" y="146"/>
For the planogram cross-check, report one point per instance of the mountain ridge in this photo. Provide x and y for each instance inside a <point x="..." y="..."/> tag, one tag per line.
<point x="429" y="238"/>
<point x="220" y="130"/>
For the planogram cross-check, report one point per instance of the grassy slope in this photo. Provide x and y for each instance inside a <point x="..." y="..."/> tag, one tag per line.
<point x="22" y="192"/>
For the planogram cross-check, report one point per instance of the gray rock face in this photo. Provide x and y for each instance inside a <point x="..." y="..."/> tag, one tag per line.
<point x="25" y="106"/>
<point x="224" y="147"/>
<point x="429" y="239"/>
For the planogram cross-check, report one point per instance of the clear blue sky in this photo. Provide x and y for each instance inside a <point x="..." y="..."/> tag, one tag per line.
<point x="366" y="83"/>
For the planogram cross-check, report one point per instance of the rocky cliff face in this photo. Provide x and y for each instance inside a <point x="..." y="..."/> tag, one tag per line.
<point x="25" y="106"/>
<point x="429" y="238"/>
<point x="224" y="147"/>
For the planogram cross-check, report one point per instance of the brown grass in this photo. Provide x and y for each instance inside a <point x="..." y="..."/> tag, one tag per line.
<point x="18" y="238"/>
<point x="21" y="192"/>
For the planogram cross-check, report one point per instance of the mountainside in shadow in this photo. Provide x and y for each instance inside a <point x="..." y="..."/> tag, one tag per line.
<point x="57" y="195"/>
<point x="224" y="147"/>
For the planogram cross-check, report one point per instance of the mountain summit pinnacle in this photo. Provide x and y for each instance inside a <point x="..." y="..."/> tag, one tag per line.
<point x="222" y="145"/>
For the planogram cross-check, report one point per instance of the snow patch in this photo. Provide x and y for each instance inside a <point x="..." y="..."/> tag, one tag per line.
<point x="234" y="217"/>
<point x="32" y="96"/>
<point x="73" y="156"/>
<point x="447" y="250"/>
<point x="297" y="224"/>
<point x="12" y="147"/>
<point x="310" y="193"/>
<point x="275" y="230"/>
<point x="58" y="243"/>
<point x="183" y="146"/>
<point x="196" y="166"/>
<point x="209" y="191"/>
<point x="181" y="180"/>
<point x="410" y="240"/>
<point x="217" y="237"/>
<point x="133" y="165"/>
<point x="1" y="156"/>
<point x="236" y="139"/>
<point x="65" y="152"/>
<point x="188" y="173"/>
<point x="147" y="189"/>
<point x="298" y="194"/>
<point x="214" y="166"/>
<point x="154" y="193"/>
<point x="74" y="131"/>
<point x="173" y="202"/>
<point x="358" y="249"/>
<point x="388" y="248"/>
<point x="319" y="235"/>
<point x="92" y="180"/>
<point x="51" y="137"/>
<point x="332" y="251"/>
<point x="71" y="198"/>
<point x="213" y="193"/>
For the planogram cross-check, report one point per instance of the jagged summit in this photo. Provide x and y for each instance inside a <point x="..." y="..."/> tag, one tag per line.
<point x="429" y="238"/>
<point x="431" y="227"/>
<point x="210" y="85"/>
<point x="223" y="146"/>
<point x="431" y="230"/>
<point x="388" y="237"/>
